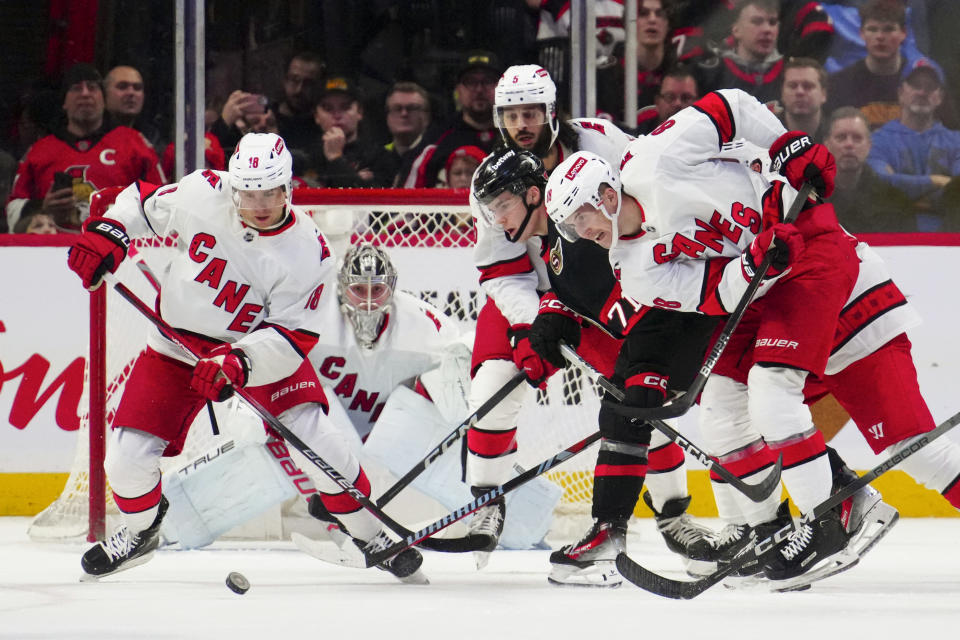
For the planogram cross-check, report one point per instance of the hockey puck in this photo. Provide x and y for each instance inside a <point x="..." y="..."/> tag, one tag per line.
<point x="237" y="583"/>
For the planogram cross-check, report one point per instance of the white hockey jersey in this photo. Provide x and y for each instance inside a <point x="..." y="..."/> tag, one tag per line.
<point x="412" y="343"/>
<point x="262" y="291"/>
<point x="510" y="272"/>
<point x="698" y="205"/>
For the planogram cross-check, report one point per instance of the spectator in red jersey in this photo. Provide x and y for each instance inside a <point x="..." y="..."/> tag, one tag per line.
<point x="213" y="156"/>
<point x="61" y="170"/>
<point x="123" y="95"/>
<point x="472" y="125"/>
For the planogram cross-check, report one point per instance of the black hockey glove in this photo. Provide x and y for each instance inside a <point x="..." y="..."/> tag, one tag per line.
<point x="555" y="323"/>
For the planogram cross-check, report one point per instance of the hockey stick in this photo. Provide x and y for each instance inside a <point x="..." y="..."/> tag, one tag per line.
<point x="682" y="403"/>
<point x="686" y="589"/>
<point x="361" y="559"/>
<point x="468" y="543"/>
<point x="446" y="443"/>
<point x="756" y="492"/>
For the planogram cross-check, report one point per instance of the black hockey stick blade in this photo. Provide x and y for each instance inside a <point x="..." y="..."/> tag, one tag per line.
<point x="450" y="439"/>
<point x="419" y="537"/>
<point x="756" y="492"/>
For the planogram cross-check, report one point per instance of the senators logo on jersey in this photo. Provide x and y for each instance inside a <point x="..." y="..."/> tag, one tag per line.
<point x="556" y="257"/>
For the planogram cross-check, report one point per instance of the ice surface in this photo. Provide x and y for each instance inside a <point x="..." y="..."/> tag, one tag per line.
<point x="907" y="588"/>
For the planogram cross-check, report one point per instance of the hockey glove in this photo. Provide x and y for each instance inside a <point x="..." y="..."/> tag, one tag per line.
<point x="555" y="323"/>
<point x="100" y="248"/>
<point x="527" y="360"/>
<point x="782" y="241"/>
<point x="646" y="388"/>
<point x="795" y="156"/>
<point x="215" y="376"/>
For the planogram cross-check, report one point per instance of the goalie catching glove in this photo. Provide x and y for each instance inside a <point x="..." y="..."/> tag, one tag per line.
<point x="782" y="241"/>
<point x="527" y="360"/>
<point x="798" y="159"/>
<point x="100" y="248"/>
<point x="216" y="375"/>
<point x="555" y="323"/>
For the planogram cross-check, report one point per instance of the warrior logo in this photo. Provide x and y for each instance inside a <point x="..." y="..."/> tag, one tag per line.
<point x="556" y="257"/>
<point x="876" y="431"/>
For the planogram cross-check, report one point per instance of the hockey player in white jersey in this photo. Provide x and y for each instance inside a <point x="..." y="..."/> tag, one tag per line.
<point x="687" y="228"/>
<point x="514" y="242"/>
<point x="247" y="287"/>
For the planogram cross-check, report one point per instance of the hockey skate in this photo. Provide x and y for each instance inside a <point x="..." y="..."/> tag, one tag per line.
<point x="590" y="561"/>
<point x="684" y="536"/>
<point x="735" y="539"/>
<point x="487" y="521"/>
<point x="865" y="519"/>
<point x="123" y="550"/>
<point x="809" y="550"/>
<point x="405" y="565"/>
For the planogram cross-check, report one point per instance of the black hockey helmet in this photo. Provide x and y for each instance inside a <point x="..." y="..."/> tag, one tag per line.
<point x="509" y="170"/>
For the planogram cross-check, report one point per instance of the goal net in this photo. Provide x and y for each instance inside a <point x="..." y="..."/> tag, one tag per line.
<point x="429" y="236"/>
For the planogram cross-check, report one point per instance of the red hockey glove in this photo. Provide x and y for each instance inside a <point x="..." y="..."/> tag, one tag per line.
<point x="100" y="248"/>
<point x="555" y="323"/>
<point x="646" y="388"/>
<point x="781" y="240"/>
<point x="536" y="368"/>
<point x="215" y="376"/>
<point x="795" y="156"/>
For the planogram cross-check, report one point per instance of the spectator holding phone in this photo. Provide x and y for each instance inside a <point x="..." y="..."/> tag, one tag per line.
<point x="241" y="111"/>
<point x="87" y="154"/>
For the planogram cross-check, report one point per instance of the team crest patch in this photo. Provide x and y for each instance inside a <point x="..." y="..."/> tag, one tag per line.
<point x="556" y="257"/>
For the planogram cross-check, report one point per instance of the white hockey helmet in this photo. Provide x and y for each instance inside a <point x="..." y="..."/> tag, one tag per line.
<point x="575" y="182"/>
<point x="261" y="162"/>
<point x="365" y="286"/>
<point x="526" y="84"/>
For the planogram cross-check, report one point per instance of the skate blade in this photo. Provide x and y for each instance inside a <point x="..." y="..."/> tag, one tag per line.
<point x="599" y="575"/>
<point x="482" y="558"/>
<point x="745" y="583"/>
<point x="347" y="556"/>
<point x="417" y="577"/>
<point x="699" y="568"/>
<point x="837" y="563"/>
<point x="877" y="523"/>
<point x="129" y="564"/>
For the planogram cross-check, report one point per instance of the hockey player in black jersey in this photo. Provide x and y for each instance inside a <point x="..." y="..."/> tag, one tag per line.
<point x="584" y="307"/>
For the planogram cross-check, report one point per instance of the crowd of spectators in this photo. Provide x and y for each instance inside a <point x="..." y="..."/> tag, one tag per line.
<point x="859" y="75"/>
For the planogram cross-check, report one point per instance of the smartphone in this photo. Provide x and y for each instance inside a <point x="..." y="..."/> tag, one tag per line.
<point x="62" y="180"/>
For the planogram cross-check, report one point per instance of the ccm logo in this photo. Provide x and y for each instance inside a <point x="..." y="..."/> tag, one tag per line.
<point x="575" y="169"/>
<point x="290" y="389"/>
<point x="777" y="342"/>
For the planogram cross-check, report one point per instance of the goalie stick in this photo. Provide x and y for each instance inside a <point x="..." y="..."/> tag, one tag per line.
<point x="357" y="558"/>
<point x="465" y="544"/>
<point x="687" y="589"/>
<point x="682" y="403"/>
<point x="451" y="438"/>
<point x="756" y="492"/>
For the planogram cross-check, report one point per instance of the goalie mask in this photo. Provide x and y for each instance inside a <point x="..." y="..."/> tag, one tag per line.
<point x="261" y="179"/>
<point x="365" y="287"/>
<point x="574" y="188"/>
<point x="508" y="170"/>
<point x="527" y="85"/>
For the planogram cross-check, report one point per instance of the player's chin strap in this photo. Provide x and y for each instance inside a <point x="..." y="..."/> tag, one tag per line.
<point x="756" y="492"/>
<point x="686" y="589"/>
<point x="530" y="209"/>
<point x="681" y="404"/>
<point x="472" y="542"/>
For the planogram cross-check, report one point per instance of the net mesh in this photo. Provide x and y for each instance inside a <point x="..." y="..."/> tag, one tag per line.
<point x="551" y="420"/>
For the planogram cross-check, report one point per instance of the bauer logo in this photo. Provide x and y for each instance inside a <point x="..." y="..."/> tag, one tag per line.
<point x="575" y="168"/>
<point x="306" y="384"/>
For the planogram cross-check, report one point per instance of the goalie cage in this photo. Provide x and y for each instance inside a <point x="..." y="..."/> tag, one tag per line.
<point x="422" y="229"/>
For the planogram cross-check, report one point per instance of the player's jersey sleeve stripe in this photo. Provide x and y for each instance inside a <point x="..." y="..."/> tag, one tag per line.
<point x="300" y="340"/>
<point x="146" y="191"/>
<point x="715" y="106"/>
<point x="866" y="308"/>
<point x="511" y="267"/>
<point x="710" y="303"/>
